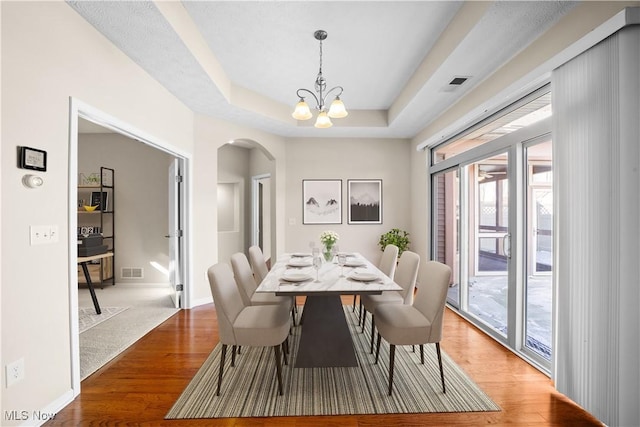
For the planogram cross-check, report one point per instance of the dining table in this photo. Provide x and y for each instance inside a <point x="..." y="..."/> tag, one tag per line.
<point x="325" y="339"/>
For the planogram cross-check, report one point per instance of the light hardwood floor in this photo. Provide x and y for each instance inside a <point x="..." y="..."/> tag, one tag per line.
<point x="140" y="386"/>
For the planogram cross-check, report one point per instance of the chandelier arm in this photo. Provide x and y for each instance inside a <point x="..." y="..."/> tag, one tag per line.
<point x="310" y="93"/>
<point x="331" y="90"/>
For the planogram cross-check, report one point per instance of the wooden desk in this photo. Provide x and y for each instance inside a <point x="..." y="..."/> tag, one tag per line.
<point x="325" y="340"/>
<point x="83" y="260"/>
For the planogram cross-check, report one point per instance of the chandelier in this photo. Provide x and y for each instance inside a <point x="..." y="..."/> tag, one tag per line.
<point x="336" y="110"/>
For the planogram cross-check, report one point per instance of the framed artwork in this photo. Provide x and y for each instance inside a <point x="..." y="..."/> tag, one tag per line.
<point x="100" y="202"/>
<point x="322" y="201"/>
<point x="365" y="201"/>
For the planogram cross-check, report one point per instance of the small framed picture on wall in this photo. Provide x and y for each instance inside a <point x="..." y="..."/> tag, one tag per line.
<point x="365" y="201"/>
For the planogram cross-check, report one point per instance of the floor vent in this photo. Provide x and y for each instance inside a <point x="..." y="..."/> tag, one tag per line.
<point x="132" y="272"/>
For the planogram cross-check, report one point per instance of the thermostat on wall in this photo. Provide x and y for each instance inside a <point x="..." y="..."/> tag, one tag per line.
<point x="32" y="158"/>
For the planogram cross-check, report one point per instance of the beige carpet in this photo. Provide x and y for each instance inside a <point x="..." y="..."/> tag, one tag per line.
<point x="88" y="318"/>
<point x="147" y="308"/>
<point x="250" y="390"/>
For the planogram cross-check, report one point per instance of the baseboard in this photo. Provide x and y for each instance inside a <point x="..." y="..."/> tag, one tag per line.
<point x="142" y="285"/>
<point x="200" y="301"/>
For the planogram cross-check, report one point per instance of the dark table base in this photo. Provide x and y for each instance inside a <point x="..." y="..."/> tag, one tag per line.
<point x="325" y="340"/>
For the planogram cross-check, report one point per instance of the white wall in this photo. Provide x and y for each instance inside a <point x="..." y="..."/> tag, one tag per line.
<point x="141" y="197"/>
<point x="389" y="160"/>
<point x="233" y="168"/>
<point x="49" y="54"/>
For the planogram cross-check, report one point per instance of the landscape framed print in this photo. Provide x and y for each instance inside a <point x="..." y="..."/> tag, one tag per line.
<point x="322" y="201"/>
<point x="365" y="201"/>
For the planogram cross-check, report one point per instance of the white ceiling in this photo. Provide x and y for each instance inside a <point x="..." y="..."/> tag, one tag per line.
<point x="243" y="61"/>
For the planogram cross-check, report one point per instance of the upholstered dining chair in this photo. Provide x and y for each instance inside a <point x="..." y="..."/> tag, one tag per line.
<point x="246" y="325"/>
<point x="258" y="263"/>
<point x="419" y="323"/>
<point x="248" y="285"/>
<point x="387" y="265"/>
<point x="260" y="269"/>
<point x="405" y="276"/>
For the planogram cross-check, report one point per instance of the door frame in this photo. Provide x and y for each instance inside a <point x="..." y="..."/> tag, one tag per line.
<point x="255" y="208"/>
<point x="79" y="109"/>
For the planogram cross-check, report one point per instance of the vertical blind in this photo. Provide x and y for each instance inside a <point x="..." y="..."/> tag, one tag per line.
<point x="596" y="137"/>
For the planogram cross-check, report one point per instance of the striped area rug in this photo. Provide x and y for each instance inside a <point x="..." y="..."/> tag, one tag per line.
<point x="250" y="389"/>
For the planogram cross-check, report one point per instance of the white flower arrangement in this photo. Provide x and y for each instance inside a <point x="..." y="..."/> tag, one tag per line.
<point x="329" y="238"/>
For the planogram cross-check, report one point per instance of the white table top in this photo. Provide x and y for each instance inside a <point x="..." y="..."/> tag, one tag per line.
<point x="329" y="276"/>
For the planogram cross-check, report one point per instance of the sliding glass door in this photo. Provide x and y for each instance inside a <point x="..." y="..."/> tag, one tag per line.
<point x="487" y="249"/>
<point x="492" y="216"/>
<point x="539" y="247"/>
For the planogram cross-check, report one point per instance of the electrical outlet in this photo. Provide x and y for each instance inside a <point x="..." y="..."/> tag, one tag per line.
<point x="14" y="372"/>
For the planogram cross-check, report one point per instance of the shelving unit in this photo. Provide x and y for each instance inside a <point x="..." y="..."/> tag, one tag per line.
<point x="101" y="220"/>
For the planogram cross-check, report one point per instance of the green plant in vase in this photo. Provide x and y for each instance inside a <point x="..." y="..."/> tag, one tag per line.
<point x="328" y="240"/>
<point x="397" y="237"/>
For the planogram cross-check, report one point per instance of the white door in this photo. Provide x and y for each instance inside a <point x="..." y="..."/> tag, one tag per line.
<point x="175" y="233"/>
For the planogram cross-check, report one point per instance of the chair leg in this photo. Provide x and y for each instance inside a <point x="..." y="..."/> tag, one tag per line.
<point x="378" y="347"/>
<point x="222" y="357"/>
<point x="293" y="315"/>
<point x="422" y="353"/>
<point x="360" y="308"/>
<point x="440" y="363"/>
<point x="373" y="329"/>
<point x="392" y="357"/>
<point x="239" y="348"/>
<point x="364" y="319"/>
<point x="354" y="303"/>
<point x="284" y="353"/>
<point x="276" y="349"/>
<point x="233" y="356"/>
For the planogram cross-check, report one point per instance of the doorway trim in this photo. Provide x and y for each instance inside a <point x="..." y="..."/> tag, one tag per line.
<point x="79" y="109"/>
<point x="255" y="209"/>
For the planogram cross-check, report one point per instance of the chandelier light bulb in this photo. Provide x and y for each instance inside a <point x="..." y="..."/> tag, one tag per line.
<point x="337" y="109"/>
<point x="323" y="121"/>
<point x="302" y="111"/>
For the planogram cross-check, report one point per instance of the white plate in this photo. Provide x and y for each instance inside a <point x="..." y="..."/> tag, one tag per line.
<point x="363" y="276"/>
<point x="354" y="263"/>
<point x="300" y="255"/>
<point x="297" y="262"/>
<point x="295" y="277"/>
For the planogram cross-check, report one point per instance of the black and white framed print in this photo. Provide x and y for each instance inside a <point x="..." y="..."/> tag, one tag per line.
<point x="100" y="202"/>
<point x="365" y="201"/>
<point x="322" y="201"/>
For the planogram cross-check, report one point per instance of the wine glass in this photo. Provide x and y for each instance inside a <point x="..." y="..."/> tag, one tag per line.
<point x="317" y="263"/>
<point x="342" y="260"/>
<point x="334" y="251"/>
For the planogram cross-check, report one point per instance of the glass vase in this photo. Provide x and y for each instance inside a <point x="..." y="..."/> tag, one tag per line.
<point x="327" y="253"/>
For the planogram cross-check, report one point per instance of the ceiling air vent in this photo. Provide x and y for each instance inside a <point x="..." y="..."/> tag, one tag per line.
<point x="455" y="83"/>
